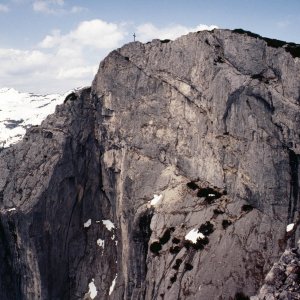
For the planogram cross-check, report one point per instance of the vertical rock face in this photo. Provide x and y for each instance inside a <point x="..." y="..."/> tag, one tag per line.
<point x="173" y="177"/>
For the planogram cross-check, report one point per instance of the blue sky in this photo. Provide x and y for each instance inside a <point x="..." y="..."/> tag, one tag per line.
<point x="55" y="45"/>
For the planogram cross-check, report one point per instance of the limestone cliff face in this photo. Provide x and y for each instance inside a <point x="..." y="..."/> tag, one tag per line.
<point x="209" y="124"/>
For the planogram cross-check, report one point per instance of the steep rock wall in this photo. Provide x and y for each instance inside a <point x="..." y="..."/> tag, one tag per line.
<point x="210" y="124"/>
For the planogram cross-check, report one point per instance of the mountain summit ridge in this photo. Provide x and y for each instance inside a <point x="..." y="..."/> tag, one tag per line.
<point x="174" y="176"/>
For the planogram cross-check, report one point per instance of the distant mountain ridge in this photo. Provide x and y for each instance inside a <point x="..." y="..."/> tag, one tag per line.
<point x="18" y="111"/>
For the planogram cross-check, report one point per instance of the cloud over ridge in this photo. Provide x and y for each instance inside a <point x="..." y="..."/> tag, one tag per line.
<point x="65" y="60"/>
<point x="148" y="31"/>
<point x="4" y="8"/>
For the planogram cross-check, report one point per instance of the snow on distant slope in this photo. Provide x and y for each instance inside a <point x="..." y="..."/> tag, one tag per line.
<point x="19" y="111"/>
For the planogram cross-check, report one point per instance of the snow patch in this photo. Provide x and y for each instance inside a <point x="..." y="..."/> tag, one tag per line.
<point x="290" y="227"/>
<point x="108" y="224"/>
<point x="87" y="224"/>
<point x="92" y="289"/>
<point x="19" y="111"/>
<point x="12" y="209"/>
<point x="100" y="243"/>
<point x="111" y="289"/>
<point x="156" y="199"/>
<point x="194" y="235"/>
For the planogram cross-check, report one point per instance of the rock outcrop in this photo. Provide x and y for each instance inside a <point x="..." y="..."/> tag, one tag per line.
<point x="283" y="280"/>
<point x="173" y="177"/>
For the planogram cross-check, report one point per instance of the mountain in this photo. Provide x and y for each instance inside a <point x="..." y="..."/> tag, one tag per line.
<point x="174" y="176"/>
<point x="19" y="111"/>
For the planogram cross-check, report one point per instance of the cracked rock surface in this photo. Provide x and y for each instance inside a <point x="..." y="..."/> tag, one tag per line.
<point x="173" y="177"/>
<point x="283" y="280"/>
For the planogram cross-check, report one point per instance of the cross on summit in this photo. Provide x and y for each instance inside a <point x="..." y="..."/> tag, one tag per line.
<point x="134" y="36"/>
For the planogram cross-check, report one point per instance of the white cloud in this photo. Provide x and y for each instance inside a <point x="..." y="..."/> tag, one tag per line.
<point x="4" y="8"/>
<point x="15" y="61"/>
<point x="283" y="24"/>
<point x="40" y="6"/>
<point x="52" y="40"/>
<point x="48" y="6"/>
<point x="38" y="71"/>
<point x="61" y="61"/>
<point x="55" y="7"/>
<point x="95" y="33"/>
<point x="77" y="9"/>
<point x="77" y="73"/>
<point x="148" y="31"/>
<point x="65" y="60"/>
<point x="98" y="34"/>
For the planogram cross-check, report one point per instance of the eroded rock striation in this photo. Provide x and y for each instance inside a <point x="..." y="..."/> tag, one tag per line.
<point x="173" y="177"/>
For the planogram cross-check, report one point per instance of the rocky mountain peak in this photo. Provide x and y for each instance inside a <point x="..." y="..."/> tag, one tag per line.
<point x="174" y="176"/>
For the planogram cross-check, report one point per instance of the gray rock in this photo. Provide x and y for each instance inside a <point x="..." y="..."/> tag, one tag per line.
<point x="278" y="285"/>
<point x="190" y="120"/>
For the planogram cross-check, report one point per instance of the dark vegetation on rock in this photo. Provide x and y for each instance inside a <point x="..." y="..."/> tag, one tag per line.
<point x="175" y="249"/>
<point x="188" y="266"/>
<point x="199" y="245"/>
<point x="241" y="296"/>
<point x="292" y="48"/>
<point x="175" y="240"/>
<point x="192" y="185"/>
<point x="173" y="278"/>
<point x="166" y="236"/>
<point x="177" y="264"/>
<point x="218" y="211"/>
<point x="226" y="223"/>
<point x="71" y="97"/>
<point x="165" y="41"/>
<point x="247" y="207"/>
<point x="206" y="228"/>
<point x="155" y="247"/>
